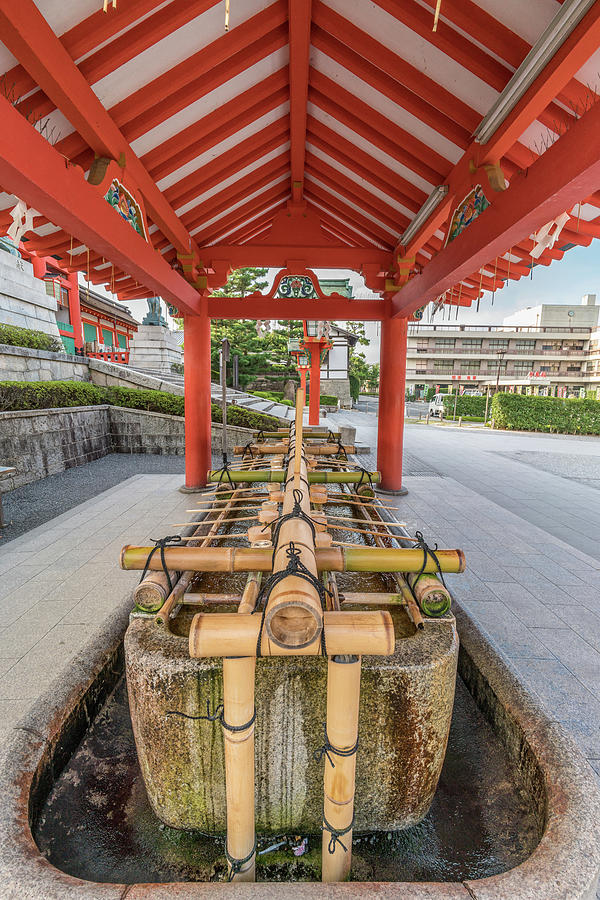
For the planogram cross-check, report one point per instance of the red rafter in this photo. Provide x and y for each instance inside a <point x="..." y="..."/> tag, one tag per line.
<point x="299" y="20"/>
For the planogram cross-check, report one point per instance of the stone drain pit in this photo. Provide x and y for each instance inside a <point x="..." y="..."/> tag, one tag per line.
<point x="97" y="824"/>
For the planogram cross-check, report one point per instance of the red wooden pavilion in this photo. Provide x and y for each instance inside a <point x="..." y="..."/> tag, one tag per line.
<point x="431" y="146"/>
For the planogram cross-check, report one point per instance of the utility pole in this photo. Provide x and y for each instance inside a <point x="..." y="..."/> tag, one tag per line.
<point x="500" y="358"/>
<point x="224" y="361"/>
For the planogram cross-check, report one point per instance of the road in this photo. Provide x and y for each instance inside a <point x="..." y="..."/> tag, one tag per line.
<point x="550" y="481"/>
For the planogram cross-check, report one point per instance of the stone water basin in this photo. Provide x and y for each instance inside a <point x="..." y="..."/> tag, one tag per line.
<point x="515" y="816"/>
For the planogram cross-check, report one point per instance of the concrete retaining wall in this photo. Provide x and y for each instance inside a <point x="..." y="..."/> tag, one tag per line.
<point x="43" y="442"/>
<point x="24" y="364"/>
<point x="337" y="387"/>
<point x="23" y="298"/>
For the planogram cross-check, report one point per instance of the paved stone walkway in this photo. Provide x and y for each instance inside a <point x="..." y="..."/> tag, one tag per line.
<point x="60" y="581"/>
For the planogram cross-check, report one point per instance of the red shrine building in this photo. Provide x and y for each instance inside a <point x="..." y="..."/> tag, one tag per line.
<point x="439" y="149"/>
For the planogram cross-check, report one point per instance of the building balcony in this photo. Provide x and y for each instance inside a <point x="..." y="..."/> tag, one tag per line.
<point x="113" y="356"/>
<point x="424" y="330"/>
<point x="484" y="351"/>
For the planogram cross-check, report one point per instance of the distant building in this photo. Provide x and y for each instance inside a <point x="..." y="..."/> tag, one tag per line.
<point x="551" y="349"/>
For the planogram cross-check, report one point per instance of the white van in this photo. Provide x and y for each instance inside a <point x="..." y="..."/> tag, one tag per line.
<point x="436" y="406"/>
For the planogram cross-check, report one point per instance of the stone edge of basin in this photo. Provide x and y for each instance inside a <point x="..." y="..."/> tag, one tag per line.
<point x="565" y="864"/>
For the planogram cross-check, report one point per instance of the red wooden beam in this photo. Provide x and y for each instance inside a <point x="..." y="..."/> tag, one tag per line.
<point x="126" y="46"/>
<point x="237" y="192"/>
<point x="135" y="123"/>
<point x="276" y="256"/>
<point x="38" y="174"/>
<point x="331" y="308"/>
<point x="244" y="213"/>
<point x="227" y="164"/>
<point x="87" y="34"/>
<point x="27" y="34"/>
<point x="217" y="125"/>
<point x="365" y="166"/>
<point x="583" y="41"/>
<point x="346" y="232"/>
<point x="329" y="96"/>
<point x="368" y="202"/>
<point x="372" y="69"/>
<point x="568" y="170"/>
<point x="299" y="21"/>
<point x="179" y="79"/>
<point x="348" y="214"/>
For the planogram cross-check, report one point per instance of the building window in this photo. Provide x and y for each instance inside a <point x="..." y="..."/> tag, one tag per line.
<point x="445" y="343"/>
<point x="523" y="368"/>
<point x="498" y="344"/>
<point x="525" y="345"/>
<point x="472" y="343"/>
<point x="470" y="368"/>
<point x="441" y="365"/>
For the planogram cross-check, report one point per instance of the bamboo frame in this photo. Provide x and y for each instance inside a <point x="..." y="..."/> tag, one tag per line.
<point x="309" y="449"/>
<point x="238" y="709"/>
<point x="343" y="696"/>
<point x="335" y="559"/>
<point x="353" y="631"/>
<point x="278" y="476"/>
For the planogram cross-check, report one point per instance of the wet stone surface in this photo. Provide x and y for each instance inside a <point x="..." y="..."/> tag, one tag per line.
<point x="97" y="823"/>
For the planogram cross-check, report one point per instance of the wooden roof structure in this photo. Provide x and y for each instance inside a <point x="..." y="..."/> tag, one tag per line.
<point x="302" y="133"/>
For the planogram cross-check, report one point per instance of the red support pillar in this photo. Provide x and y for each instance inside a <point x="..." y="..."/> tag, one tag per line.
<point x="392" y="386"/>
<point x="315" y="384"/>
<point x="39" y="266"/>
<point x="197" y="399"/>
<point x="75" y="310"/>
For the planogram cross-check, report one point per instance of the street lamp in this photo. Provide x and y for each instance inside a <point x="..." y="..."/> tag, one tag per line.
<point x="500" y="355"/>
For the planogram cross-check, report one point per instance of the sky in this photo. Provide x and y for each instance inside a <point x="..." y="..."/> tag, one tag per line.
<point x="565" y="281"/>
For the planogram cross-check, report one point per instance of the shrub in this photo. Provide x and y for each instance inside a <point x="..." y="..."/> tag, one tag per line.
<point x="177" y="368"/>
<point x="549" y="414"/>
<point x="18" y="395"/>
<point x="465" y="405"/>
<point x="25" y="337"/>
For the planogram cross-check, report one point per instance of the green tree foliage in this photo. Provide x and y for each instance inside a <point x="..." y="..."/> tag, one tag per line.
<point x="265" y="355"/>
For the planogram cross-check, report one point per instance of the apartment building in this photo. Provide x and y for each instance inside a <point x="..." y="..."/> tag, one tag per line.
<point x="548" y="349"/>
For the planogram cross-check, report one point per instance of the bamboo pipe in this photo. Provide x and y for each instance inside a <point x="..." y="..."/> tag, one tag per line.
<point x="151" y="593"/>
<point x="300" y="403"/>
<point x="343" y="695"/>
<point x="277" y="435"/>
<point x="278" y="476"/>
<point x="433" y="598"/>
<point x="412" y="607"/>
<point x="247" y="559"/>
<point x="348" y="598"/>
<point x="162" y="617"/>
<point x="238" y="709"/>
<point x="293" y="615"/>
<point x="309" y="449"/>
<point x="349" y="632"/>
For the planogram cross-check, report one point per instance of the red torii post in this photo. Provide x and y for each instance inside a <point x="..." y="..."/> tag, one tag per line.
<point x="198" y="457"/>
<point x="392" y="388"/>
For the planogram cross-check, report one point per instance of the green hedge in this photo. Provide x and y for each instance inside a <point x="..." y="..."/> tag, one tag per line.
<point x="465" y="405"/>
<point x="550" y="414"/>
<point x="25" y="337"/>
<point x="19" y="395"/>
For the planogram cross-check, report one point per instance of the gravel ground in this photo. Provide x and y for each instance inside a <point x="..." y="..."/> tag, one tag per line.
<point x="36" y="503"/>
<point x="584" y="468"/>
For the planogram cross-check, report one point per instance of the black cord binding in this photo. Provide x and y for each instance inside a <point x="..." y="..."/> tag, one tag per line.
<point x="238" y="864"/>
<point x="336" y="834"/>
<point x="160" y="544"/>
<point x="295" y="567"/>
<point x="216" y="716"/>
<point x="327" y="749"/>
<point x="421" y="544"/>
